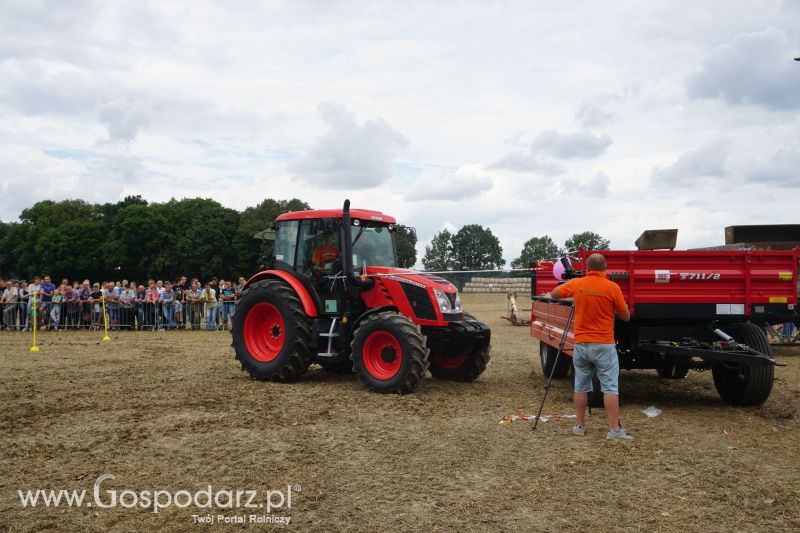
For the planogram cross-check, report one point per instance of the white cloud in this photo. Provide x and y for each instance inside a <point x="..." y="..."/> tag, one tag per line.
<point x="780" y="167"/>
<point x="754" y="68"/>
<point x="597" y="185"/>
<point x="99" y="100"/>
<point x="349" y="154"/>
<point x="579" y="144"/>
<point x="521" y="161"/>
<point x="465" y="182"/>
<point x="597" y="111"/>
<point x="707" y="161"/>
<point x="124" y="118"/>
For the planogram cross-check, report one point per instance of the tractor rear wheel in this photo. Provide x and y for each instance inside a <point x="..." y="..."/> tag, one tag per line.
<point x="271" y="332"/>
<point x="745" y="385"/>
<point x="389" y="353"/>
<point x="547" y="357"/>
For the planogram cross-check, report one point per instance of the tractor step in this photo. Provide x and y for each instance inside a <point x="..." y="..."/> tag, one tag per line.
<point x="330" y="335"/>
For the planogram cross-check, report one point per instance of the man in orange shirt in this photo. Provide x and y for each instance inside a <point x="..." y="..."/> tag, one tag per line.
<point x="324" y="254"/>
<point x="596" y="300"/>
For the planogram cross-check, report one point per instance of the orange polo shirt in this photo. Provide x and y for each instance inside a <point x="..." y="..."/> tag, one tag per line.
<point x="596" y="299"/>
<point x="324" y="254"/>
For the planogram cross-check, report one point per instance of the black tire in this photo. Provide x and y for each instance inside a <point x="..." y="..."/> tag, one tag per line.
<point x="336" y="366"/>
<point x="672" y="371"/>
<point x="294" y="354"/>
<point x="745" y="385"/>
<point x="375" y="348"/>
<point x="547" y="357"/>
<point x="471" y="365"/>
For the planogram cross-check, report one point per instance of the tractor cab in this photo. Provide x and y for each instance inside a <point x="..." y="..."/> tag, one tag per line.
<point x="312" y="241"/>
<point x="334" y="295"/>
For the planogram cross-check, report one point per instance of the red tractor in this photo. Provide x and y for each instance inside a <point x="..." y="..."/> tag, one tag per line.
<point x="389" y="324"/>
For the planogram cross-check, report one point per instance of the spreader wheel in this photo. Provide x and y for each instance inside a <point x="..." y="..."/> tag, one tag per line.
<point x="596" y="396"/>
<point x="745" y="385"/>
<point x="547" y="357"/>
<point x="389" y="353"/>
<point x="271" y="332"/>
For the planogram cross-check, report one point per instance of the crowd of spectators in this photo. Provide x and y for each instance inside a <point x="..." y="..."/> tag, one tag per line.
<point x="157" y="306"/>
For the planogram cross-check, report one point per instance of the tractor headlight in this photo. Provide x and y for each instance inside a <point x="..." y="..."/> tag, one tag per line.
<point x="444" y="302"/>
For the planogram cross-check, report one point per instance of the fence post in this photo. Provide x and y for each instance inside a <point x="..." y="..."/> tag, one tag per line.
<point x="34" y="348"/>
<point x="105" y="316"/>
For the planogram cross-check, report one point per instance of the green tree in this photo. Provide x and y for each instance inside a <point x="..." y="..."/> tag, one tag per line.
<point x="199" y="238"/>
<point x="588" y="240"/>
<point x="72" y="250"/>
<point x="538" y="248"/>
<point x="439" y="255"/>
<point x="406" y="241"/>
<point x="248" y="249"/>
<point x="139" y="245"/>
<point x="476" y="248"/>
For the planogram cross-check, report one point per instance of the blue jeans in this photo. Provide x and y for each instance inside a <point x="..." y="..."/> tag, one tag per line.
<point x="211" y="318"/>
<point x="228" y="309"/>
<point x="169" y="314"/>
<point x="589" y="358"/>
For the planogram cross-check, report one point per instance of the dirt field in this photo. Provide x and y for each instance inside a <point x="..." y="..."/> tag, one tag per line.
<point x="172" y="411"/>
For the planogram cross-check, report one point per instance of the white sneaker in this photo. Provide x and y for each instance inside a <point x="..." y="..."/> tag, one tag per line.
<point x="619" y="435"/>
<point x="579" y="430"/>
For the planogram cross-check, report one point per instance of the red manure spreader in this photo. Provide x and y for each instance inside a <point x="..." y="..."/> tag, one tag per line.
<point x="690" y="310"/>
<point x="389" y="324"/>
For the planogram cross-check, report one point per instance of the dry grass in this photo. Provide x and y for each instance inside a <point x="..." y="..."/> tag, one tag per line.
<point x="173" y="411"/>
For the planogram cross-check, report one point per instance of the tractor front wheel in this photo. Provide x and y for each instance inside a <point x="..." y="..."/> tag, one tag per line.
<point x="389" y="353"/>
<point x="271" y="332"/>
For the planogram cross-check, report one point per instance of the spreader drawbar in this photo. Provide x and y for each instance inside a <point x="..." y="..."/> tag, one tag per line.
<point x="555" y="363"/>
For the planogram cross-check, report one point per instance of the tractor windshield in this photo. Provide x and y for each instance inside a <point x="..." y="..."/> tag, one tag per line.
<point x="373" y="244"/>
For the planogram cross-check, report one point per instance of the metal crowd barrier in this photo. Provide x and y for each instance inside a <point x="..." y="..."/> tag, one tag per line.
<point x="135" y="316"/>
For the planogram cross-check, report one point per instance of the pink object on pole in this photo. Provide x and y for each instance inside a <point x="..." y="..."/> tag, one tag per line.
<point x="558" y="270"/>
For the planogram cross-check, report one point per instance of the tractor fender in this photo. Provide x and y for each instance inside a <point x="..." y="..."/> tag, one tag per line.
<point x="356" y="322"/>
<point x="305" y="297"/>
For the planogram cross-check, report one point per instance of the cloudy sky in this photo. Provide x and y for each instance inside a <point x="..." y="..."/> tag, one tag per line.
<point x="527" y="117"/>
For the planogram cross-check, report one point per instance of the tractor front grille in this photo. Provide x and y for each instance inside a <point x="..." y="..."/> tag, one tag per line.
<point x="420" y="301"/>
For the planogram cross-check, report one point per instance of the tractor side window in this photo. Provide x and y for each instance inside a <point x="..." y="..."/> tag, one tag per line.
<point x="318" y="250"/>
<point x="286" y="242"/>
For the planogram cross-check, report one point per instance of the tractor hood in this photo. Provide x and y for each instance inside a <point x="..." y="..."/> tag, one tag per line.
<point x="413" y="277"/>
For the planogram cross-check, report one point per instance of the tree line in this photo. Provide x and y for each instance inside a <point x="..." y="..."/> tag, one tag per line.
<point x="474" y="247"/>
<point x="137" y="239"/>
